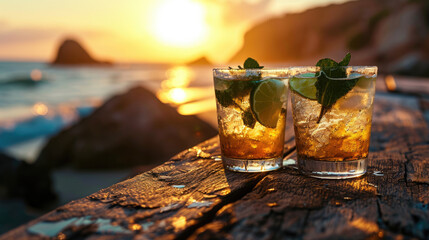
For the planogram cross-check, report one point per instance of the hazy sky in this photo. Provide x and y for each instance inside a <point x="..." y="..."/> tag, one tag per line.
<point x="136" y="30"/>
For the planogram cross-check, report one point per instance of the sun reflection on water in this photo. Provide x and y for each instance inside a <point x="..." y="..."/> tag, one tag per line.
<point x="175" y="90"/>
<point x="177" y="77"/>
<point x="36" y="75"/>
<point x="197" y="107"/>
<point x="175" y="95"/>
<point x="40" y="109"/>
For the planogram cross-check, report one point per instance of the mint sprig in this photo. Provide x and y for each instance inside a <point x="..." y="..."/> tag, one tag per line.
<point x="239" y="89"/>
<point x="251" y="63"/>
<point x="328" y="90"/>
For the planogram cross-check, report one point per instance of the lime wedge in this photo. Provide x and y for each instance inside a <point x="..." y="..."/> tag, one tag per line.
<point x="266" y="101"/>
<point x="304" y="86"/>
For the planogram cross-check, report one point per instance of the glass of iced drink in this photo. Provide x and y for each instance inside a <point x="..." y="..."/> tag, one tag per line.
<point x="251" y="112"/>
<point x="332" y="119"/>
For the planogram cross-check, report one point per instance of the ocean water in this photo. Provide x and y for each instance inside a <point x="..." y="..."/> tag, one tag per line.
<point x="37" y="99"/>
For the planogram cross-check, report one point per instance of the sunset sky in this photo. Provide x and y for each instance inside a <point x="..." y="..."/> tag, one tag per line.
<point x="136" y="30"/>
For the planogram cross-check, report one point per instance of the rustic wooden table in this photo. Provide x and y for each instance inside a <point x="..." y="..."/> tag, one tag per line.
<point x="192" y="196"/>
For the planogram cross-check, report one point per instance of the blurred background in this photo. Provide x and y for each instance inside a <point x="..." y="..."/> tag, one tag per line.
<point x="94" y="92"/>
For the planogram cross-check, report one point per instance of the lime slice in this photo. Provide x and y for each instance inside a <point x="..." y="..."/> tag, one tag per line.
<point x="266" y="101"/>
<point x="304" y="86"/>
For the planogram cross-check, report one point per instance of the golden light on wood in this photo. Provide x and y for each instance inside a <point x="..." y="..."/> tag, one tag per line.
<point x="180" y="22"/>
<point x="136" y="227"/>
<point x="179" y="223"/>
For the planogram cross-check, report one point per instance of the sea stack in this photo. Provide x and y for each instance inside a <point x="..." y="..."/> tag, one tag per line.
<point x="71" y="52"/>
<point x="202" y="61"/>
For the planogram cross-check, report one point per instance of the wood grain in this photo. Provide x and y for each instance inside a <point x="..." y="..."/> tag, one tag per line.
<point x="390" y="201"/>
<point x="193" y="197"/>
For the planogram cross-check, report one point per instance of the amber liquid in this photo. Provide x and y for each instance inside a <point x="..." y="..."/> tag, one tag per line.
<point x="239" y="141"/>
<point x="343" y="133"/>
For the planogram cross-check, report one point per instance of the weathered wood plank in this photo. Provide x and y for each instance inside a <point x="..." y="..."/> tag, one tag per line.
<point x="389" y="201"/>
<point x="192" y="196"/>
<point x="167" y="202"/>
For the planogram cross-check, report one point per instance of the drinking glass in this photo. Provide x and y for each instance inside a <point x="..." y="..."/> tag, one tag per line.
<point x="251" y="112"/>
<point x="332" y="141"/>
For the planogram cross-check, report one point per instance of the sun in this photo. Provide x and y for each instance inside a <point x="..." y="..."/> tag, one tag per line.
<point x="179" y="23"/>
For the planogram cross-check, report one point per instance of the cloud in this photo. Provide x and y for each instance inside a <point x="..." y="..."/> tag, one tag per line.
<point x="23" y="35"/>
<point x="241" y="11"/>
<point x="3" y="23"/>
<point x="31" y="35"/>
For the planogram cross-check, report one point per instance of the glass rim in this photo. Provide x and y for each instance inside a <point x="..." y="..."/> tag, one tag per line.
<point x="373" y="69"/>
<point x="290" y="68"/>
<point x="251" y="69"/>
<point x="351" y="66"/>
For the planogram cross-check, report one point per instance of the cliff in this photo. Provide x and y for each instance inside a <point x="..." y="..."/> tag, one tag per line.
<point x="391" y="34"/>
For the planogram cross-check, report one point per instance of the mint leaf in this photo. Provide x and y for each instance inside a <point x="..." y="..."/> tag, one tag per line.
<point x="330" y="90"/>
<point x="326" y="63"/>
<point x="248" y="118"/>
<point x="346" y="60"/>
<point x="251" y="63"/>
<point x="224" y="98"/>
<point x="241" y="88"/>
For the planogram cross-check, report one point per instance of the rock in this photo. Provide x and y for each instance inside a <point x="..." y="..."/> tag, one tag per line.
<point x="412" y="64"/>
<point x="400" y="40"/>
<point x="200" y="61"/>
<point x="26" y="181"/>
<point x="8" y="166"/>
<point x="71" y="52"/>
<point x="131" y="129"/>
<point x="34" y="184"/>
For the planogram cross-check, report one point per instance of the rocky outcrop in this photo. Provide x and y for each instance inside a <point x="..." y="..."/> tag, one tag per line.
<point x="132" y="129"/>
<point x="71" y="52"/>
<point x="8" y="166"/>
<point x="27" y="181"/>
<point x="401" y="40"/>
<point x="391" y="34"/>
